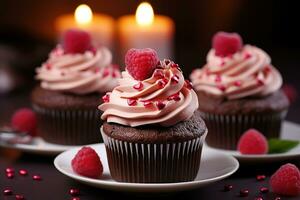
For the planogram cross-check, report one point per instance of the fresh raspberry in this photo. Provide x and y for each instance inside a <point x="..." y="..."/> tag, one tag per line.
<point x="253" y="142"/>
<point x="291" y="92"/>
<point x="24" y="120"/>
<point x="140" y="63"/>
<point x="226" y="44"/>
<point x="87" y="163"/>
<point x="76" y="41"/>
<point x="286" y="180"/>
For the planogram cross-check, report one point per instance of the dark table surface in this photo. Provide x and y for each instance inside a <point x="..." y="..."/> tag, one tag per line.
<point x="55" y="186"/>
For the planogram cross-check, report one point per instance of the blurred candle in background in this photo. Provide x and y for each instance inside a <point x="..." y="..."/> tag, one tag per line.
<point x="146" y="29"/>
<point x="100" y="26"/>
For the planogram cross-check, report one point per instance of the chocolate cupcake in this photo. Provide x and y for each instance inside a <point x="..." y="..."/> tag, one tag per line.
<point x="73" y="79"/>
<point x="153" y="132"/>
<point x="238" y="89"/>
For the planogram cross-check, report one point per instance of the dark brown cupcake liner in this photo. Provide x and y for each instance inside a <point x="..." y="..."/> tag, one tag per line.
<point x="153" y="163"/>
<point x="225" y="130"/>
<point x="68" y="127"/>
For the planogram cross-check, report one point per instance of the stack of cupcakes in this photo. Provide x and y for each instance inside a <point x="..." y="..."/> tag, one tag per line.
<point x="238" y="89"/>
<point x="73" y="79"/>
<point x="153" y="131"/>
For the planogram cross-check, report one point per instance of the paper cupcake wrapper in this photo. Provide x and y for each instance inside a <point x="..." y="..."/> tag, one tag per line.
<point x="225" y="130"/>
<point x="153" y="163"/>
<point x="68" y="127"/>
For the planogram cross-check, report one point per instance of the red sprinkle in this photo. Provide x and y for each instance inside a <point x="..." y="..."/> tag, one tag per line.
<point x="147" y="103"/>
<point x="7" y="192"/>
<point x="175" y="79"/>
<point x="10" y="175"/>
<point x="105" y="72"/>
<point x="260" y="177"/>
<point x="19" y="197"/>
<point x="105" y="98"/>
<point x="238" y="83"/>
<point x="218" y="79"/>
<point x="162" y="83"/>
<point x="174" y="65"/>
<point x="23" y="172"/>
<point x="74" y="192"/>
<point x="227" y="188"/>
<point x="36" y="177"/>
<point x="167" y="62"/>
<point x="222" y="87"/>
<point x="260" y="82"/>
<point x="114" y="74"/>
<point x="174" y="97"/>
<point x="48" y="66"/>
<point x="131" y="102"/>
<point x="223" y="63"/>
<point x="158" y="73"/>
<point x="96" y="70"/>
<point x="9" y="170"/>
<point x="160" y="105"/>
<point x="267" y="69"/>
<point x="247" y="56"/>
<point x="244" y="193"/>
<point x="188" y="84"/>
<point x="138" y="86"/>
<point x="264" y="190"/>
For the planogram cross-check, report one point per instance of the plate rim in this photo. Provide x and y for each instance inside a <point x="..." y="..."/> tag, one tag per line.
<point x="145" y="186"/>
<point x="29" y="148"/>
<point x="35" y="149"/>
<point x="256" y="157"/>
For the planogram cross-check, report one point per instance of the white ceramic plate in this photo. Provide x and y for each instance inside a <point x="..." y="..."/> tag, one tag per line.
<point x="290" y="131"/>
<point x="37" y="146"/>
<point x="214" y="167"/>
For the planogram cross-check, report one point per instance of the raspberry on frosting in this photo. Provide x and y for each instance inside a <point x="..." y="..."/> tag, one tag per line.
<point x="234" y="71"/>
<point x="76" y="41"/>
<point x="162" y="97"/>
<point x="226" y="44"/>
<point x="140" y="63"/>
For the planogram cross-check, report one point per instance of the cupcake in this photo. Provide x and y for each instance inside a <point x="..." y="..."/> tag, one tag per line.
<point x="72" y="81"/>
<point x="238" y="89"/>
<point x="152" y="132"/>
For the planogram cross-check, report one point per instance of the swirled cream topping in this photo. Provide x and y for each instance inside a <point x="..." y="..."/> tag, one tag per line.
<point x="79" y="73"/>
<point x="164" y="99"/>
<point x="245" y="73"/>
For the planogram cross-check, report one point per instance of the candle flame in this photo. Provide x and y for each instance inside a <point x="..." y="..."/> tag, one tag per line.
<point x="83" y="14"/>
<point x="144" y="14"/>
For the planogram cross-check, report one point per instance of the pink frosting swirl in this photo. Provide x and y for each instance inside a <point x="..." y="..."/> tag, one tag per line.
<point x="246" y="73"/>
<point x="165" y="99"/>
<point x="79" y="73"/>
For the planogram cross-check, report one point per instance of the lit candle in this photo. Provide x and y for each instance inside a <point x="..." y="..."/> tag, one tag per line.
<point x="100" y="26"/>
<point x="146" y="30"/>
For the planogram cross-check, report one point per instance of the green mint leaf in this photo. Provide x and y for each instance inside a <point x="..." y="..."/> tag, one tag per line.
<point x="281" y="146"/>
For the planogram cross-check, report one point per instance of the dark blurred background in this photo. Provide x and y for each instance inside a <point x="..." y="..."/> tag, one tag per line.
<point x="27" y="31"/>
